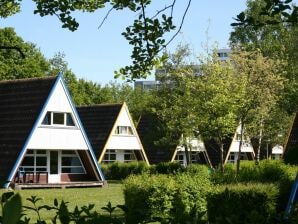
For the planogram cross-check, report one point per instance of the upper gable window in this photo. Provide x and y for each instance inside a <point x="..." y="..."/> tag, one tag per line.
<point x="123" y="130"/>
<point x="58" y="119"/>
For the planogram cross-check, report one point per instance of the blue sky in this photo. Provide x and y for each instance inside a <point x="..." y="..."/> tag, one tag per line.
<point x="94" y="54"/>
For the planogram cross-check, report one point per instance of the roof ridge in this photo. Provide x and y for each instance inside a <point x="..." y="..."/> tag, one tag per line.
<point x="101" y="105"/>
<point x="28" y="79"/>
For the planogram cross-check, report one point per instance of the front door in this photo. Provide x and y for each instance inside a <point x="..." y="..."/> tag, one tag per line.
<point x="54" y="174"/>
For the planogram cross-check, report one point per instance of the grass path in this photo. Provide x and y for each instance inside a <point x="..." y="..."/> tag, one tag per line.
<point x="75" y="196"/>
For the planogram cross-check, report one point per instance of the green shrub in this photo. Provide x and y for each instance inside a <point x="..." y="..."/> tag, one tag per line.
<point x="120" y="171"/>
<point x="168" y="168"/>
<point x="242" y="203"/>
<point x="166" y="198"/>
<point x="269" y="171"/>
<point x="148" y="197"/>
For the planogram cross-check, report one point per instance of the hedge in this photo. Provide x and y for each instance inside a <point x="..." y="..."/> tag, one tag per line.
<point x="120" y="171"/>
<point x="243" y="204"/>
<point x="166" y="198"/>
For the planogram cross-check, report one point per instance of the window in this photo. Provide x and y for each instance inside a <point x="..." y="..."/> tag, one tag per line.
<point x="69" y="120"/>
<point x="34" y="161"/>
<point x="71" y="163"/>
<point x="58" y="118"/>
<point x="123" y="130"/>
<point x="232" y="158"/>
<point x="109" y="156"/>
<point x="129" y="156"/>
<point x="47" y="119"/>
<point x="180" y="157"/>
<point x="194" y="157"/>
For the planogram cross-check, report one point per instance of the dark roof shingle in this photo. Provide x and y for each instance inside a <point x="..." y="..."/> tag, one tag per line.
<point x="98" y="121"/>
<point x="21" y="102"/>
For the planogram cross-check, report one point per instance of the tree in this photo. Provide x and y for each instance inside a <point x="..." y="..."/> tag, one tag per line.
<point x="13" y="65"/>
<point x="217" y="93"/>
<point x="275" y="40"/>
<point x="260" y="82"/>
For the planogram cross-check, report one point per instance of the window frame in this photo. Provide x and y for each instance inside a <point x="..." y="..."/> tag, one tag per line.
<point x="65" y="124"/>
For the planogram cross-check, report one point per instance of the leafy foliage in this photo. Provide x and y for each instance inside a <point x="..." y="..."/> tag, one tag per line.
<point x="249" y="203"/>
<point x="167" y="199"/>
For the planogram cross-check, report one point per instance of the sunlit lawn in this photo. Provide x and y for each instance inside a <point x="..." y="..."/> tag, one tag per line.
<point x="75" y="196"/>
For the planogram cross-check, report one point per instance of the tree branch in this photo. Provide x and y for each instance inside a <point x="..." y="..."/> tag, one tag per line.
<point x="180" y="27"/>
<point x="105" y="18"/>
<point x="14" y="48"/>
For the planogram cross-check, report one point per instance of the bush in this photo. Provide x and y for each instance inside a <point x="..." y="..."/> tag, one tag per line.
<point x="269" y="171"/>
<point x="245" y="204"/>
<point x="165" y="198"/>
<point x="120" y="171"/>
<point x="167" y="168"/>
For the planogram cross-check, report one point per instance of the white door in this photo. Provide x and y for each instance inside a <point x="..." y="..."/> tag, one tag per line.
<point x="54" y="174"/>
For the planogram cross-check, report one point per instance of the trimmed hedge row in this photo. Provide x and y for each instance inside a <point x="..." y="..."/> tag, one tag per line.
<point x="243" y="203"/>
<point x="267" y="171"/>
<point x="120" y="171"/>
<point x="167" y="198"/>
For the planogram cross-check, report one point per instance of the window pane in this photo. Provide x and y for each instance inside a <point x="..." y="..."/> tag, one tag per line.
<point x="69" y="120"/>
<point x="30" y="152"/>
<point x="47" y="119"/>
<point x="72" y="170"/>
<point x="41" y="169"/>
<point x="58" y="118"/>
<point x="112" y="157"/>
<point x="41" y="161"/>
<point x="68" y="152"/>
<point x="41" y="152"/>
<point x="28" y="161"/>
<point x="71" y="161"/>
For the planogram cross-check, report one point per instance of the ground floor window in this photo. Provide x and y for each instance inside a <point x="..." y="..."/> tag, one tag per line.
<point x="71" y="163"/>
<point x="109" y="156"/>
<point x="129" y="156"/>
<point x="180" y="157"/>
<point x="34" y="161"/>
<point x="67" y="161"/>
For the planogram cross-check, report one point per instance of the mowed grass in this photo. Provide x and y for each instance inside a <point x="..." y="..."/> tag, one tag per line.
<point x="76" y="197"/>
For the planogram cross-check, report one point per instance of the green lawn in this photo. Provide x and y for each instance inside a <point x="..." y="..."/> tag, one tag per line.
<point x="75" y="196"/>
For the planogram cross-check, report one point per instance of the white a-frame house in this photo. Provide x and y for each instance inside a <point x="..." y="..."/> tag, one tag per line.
<point x="112" y="133"/>
<point x="247" y="151"/>
<point x="49" y="143"/>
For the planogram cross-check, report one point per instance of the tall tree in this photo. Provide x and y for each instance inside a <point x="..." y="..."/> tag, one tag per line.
<point x="261" y="81"/>
<point x="13" y="65"/>
<point x="217" y="93"/>
<point x="276" y="39"/>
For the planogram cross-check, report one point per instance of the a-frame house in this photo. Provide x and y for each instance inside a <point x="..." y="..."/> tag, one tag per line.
<point x="42" y="141"/>
<point x="112" y="133"/>
<point x="197" y="152"/>
<point x="247" y="151"/>
<point x="291" y="145"/>
<point x="151" y="130"/>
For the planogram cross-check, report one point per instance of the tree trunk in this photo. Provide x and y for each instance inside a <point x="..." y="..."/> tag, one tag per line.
<point x="186" y="154"/>
<point x="240" y="145"/>
<point x="260" y="142"/>
<point x="221" y="157"/>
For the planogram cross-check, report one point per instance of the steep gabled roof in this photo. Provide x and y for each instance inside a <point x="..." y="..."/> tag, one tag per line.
<point x="99" y="127"/>
<point x="291" y="145"/>
<point x="20" y="104"/>
<point x="151" y="130"/>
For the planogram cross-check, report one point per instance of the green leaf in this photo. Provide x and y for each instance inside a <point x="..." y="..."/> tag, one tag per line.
<point x="12" y="210"/>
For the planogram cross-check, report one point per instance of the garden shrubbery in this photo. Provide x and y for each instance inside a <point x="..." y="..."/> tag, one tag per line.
<point x="120" y="171"/>
<point x="167" y="198"/>
<point x="243" y="203"/>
